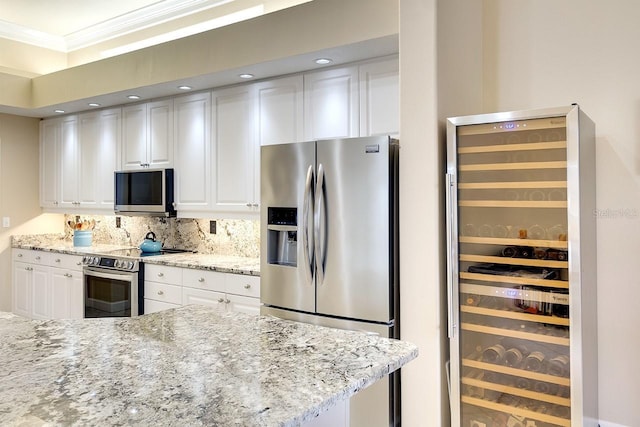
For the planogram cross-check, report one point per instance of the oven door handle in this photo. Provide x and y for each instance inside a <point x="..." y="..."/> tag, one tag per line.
<point x="111" y="276"/>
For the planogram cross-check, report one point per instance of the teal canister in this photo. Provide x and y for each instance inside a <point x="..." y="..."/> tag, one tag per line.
<point x="82" y="237"/>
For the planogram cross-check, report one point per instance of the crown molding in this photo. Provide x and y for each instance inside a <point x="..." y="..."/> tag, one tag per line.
<point x="146" y="17"/>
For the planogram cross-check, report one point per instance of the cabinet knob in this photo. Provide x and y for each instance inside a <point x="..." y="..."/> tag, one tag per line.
<point x="220" y="300"/>
<point x="160" y="293"/>
<point x="255" y="205"/>
<point x="68" y="275"/>
<point x="19" y="255"/>
<point x="247" y="286"/>
<point x="55" y="203"/>
<point x="227" y="301"/>
<point x="201" y="279"/>
<point x="38" y="258"/>
<point x="160" y="274"/>
<point x="248" y="205"/>
<point x="79" y="263"/>
<point x="28" y="268"/>
<point x="57" y="259"/>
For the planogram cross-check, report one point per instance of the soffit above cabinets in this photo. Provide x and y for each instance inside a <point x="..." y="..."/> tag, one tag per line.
<point x="69" y="25"/>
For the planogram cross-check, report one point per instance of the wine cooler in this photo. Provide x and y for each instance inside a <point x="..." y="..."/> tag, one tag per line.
<point x="521" y="243"/>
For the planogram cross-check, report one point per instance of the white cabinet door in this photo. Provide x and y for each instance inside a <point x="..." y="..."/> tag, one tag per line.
<point x="134" y="136"/>
<point x="41" y="293"/>
<point x="213" y="299"/>
<point x="192" y="116"/>
<point x="331" y="103"/>
<point x="88" y="144"/>
<point x="242" y="304"/>
<point x="160" y="139"/>
<point x="147" y="135"/>
<point x="69" y="162"/>
<point x="22" y="277"/>
<point x="235" y="142"/>
<point x="107" y="157"/>
<point x="152" y="306"/>
<point x="49" y="163"/>
<point x="280" y="110"/>
<point x="66" y="294"/>
<point x="379" y="98"/>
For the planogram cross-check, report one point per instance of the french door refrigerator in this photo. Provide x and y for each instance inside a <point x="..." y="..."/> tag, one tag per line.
<point x="522" y="269"/>
<point x="329" y="246"/>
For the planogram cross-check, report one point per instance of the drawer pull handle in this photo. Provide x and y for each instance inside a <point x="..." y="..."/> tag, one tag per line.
<point x="247" y="286"/>
<point x="160" y="293"/>
<point x="160" y="274"/>
<point x="201" y="279"/>
<point x="220" y="300"/>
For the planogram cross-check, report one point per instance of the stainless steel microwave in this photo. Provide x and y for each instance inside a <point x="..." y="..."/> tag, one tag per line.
<point x="144" y="192"/>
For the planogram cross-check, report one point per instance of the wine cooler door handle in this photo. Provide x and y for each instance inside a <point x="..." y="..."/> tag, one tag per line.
<point x="320" y="244"/>
<point x="451" y="327"/>
<point x="307" y="204"/>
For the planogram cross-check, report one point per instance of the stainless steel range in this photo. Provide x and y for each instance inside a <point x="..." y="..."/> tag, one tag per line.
<point x="113" y="285"/>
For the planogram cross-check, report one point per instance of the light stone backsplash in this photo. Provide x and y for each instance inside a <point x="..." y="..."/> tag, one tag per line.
<point x="233" y="237"/>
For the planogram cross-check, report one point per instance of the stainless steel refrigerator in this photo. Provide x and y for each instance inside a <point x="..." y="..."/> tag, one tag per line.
<point x="329" y="246"/>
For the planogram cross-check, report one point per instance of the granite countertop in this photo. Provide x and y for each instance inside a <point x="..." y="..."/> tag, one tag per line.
<point x="214" y="262"/>
<point x="186" y="366"/>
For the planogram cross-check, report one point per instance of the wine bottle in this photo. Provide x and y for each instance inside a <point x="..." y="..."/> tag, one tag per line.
<point x="559" y="366"/>
<point x="534" y="361"/>
<point x="494" y="354"/>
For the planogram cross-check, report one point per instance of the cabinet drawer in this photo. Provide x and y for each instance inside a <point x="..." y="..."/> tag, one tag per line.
<point x="163" y="274"/>
<point x="151" y="306"/>
<point x="204" y="279"/>
<point x="68" y="262"/>
<point x="31" y="256"/>
<point x="241" y="284"/>
<point x="213" y="299"/>
<point x="163" y="292"/>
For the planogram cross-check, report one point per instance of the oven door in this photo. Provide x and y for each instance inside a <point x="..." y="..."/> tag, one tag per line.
<point x="109" y="293"/>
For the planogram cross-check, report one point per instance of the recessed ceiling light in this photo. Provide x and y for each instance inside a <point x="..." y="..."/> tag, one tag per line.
<point x="133" y="96"/>
<point x="94" y="104"/>
<point x="58" y="111"/>
<point x="323" y="61"/>
<point x="185" y="87"/>
<point x="246" y="76"/>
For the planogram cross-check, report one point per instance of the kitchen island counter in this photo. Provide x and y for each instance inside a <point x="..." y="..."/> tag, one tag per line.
<point x="185" y="366"/>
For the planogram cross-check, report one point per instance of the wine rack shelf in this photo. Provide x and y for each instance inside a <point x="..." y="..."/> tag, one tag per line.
<point x="512" y="166"/>
<point x="514" y="147"/>
<point x="511" y="185"/>
<point x="552" y="320"/>
<point x="537" y="376"/>
<point x="501" y="332"/>
<point x="561" y="284"/>
<point x="528" y="394"/>
<point x="516" y="411"/>
<point x="514" y="261"/>
<point x="558" y="244"/>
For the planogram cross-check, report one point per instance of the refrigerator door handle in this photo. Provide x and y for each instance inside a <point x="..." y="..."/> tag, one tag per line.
<point x="318" y="208"/>
<point x="308" y="249"/>
<point x="451" y="328"/>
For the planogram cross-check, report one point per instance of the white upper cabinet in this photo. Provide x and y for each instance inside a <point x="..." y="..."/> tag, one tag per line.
<point x="99" y="139"/>
<point x="331" y="103"/>
<point x="379" y="98"/>
<point x="69" y="165"/>
<point x="236" y="149"/>
<point x="49" y="163"/>
<point x="280" y="110"/>
<point x="192" y="160"/>
<point x="147" y="135"/>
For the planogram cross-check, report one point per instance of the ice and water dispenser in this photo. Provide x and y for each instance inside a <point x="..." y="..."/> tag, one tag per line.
<point x="282" y="236"/>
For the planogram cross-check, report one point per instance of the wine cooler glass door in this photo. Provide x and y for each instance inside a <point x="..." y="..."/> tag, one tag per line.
<point x="512" y="273"/>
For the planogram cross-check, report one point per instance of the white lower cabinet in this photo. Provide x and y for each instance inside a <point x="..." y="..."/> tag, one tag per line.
<point x="47" y="285"/>
<point x="170" y="287"/>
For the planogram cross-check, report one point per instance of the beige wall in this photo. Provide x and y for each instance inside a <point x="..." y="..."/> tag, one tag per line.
<point x="19" y="192"/>
<point x="545" y="53"/>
